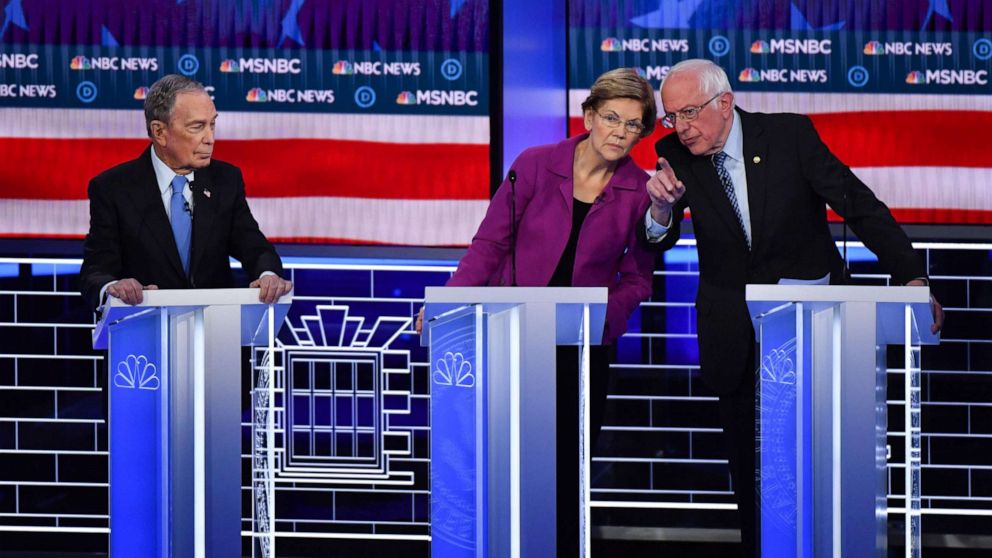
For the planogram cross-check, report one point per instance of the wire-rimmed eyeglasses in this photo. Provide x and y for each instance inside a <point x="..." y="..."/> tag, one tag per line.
<point x="613" y="121"/>
<point x="688" y="114"/>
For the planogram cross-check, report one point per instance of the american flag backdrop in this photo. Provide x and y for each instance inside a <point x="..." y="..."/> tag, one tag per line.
<point x="899" y="90"/>
<point x="368" y="121"/>
<point x="359" y="121"/>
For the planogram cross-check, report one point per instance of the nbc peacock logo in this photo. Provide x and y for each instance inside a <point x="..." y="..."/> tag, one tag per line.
<point x="230" y="67"/>
<point x="749" y="75"/>
<point x="141" y="93"/>
<point x="136" y="372"/>
<point x="760" y="47"/>
<point x="611" y="44"/>
<point x="80" y="63"/>
<point x="343" y="68"/>
<point x="406" y="98"/>
<point x="257" y="95"/>
<point x="873" y="48"/>
<point x="915" y="78"/>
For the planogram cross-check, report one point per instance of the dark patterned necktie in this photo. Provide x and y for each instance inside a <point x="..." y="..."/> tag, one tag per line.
<point x="728" y="188"/>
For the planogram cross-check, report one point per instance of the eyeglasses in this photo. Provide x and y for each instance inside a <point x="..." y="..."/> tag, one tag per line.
<point x="688" y="114"/>
<point x="614" y="121"/>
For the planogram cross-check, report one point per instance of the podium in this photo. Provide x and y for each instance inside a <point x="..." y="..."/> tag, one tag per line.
<point x="174" y="365"/>
<point x="492" y="355"/>
<point x="822" y="415"/>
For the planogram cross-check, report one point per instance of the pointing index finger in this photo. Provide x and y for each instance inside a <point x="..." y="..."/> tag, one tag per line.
<point x="666" y="169"/>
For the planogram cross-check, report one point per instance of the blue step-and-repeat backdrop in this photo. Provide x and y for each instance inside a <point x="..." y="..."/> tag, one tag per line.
<point x="899" y="90"/>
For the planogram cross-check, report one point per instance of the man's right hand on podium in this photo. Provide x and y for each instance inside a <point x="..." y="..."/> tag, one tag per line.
<point x="129" y="290"/>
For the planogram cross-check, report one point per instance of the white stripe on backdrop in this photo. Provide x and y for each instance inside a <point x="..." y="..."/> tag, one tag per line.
<point x="407" y="222"/>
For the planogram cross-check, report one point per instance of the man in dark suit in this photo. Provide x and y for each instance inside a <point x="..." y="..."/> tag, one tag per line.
<point x="757" y="186"/>
<point x="171" y="218"/>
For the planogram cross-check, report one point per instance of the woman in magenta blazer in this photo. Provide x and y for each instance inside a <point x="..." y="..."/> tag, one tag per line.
<point x="578" y="204"/>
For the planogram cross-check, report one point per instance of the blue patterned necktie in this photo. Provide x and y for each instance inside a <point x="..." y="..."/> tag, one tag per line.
<point x="728" y="188"/>
<point x="182" y="220"/>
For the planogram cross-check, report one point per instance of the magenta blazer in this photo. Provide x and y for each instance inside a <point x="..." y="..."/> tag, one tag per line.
<point x="607" y="253"/>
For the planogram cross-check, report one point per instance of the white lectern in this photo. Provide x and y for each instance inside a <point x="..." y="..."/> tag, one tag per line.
<point x="174" y="363"/>
<point x="492" y="353"/>
<point x="822" y="416"/>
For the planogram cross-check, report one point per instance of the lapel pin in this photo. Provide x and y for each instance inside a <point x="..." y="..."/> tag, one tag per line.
<point x="756" y="159"/>
<point x="207" y="192"/>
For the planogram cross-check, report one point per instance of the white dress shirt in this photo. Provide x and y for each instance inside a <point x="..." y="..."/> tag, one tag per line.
<point x="164" y="176"/>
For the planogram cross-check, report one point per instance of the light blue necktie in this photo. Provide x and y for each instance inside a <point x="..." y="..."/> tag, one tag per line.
<point x="182" y="220"/>
<point x="728" y="188"/>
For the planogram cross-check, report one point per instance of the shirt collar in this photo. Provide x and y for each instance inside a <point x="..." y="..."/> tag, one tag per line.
<point x="734" y="148"/>
<point x="163" y="174"/>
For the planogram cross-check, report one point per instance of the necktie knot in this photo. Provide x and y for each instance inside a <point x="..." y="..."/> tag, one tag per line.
<point x="178" y="185"/>
<point x="719" y="158"/>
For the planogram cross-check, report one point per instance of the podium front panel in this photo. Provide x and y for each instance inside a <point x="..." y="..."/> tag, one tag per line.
<point x="823" y="416"/>
<point x="784" y="458"/>
<point x="458" y="437"/>
<point x="139" y="439"/>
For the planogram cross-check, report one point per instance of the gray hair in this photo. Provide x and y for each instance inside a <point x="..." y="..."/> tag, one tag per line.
<point x="712" y="79"/>
<point x="161" y="98"/>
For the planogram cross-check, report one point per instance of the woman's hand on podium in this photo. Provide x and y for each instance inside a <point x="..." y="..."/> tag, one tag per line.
<point x="419" y="323"/>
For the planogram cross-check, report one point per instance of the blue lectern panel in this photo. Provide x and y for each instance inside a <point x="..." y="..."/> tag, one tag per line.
<point x="784" y="458"/>
<point x="137" y="370"/>
<point x="457" y="438"/>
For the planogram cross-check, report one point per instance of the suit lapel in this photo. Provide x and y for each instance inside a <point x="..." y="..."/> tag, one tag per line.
<point x="204" y="208"/>
<point x="147" y="199"/>
<point x="712" y="188"/>
<point x="560" y="166"/>
<point x="755" y="163"/>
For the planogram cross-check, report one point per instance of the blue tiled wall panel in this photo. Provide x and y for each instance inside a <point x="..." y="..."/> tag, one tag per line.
<point x="661" y="445"/>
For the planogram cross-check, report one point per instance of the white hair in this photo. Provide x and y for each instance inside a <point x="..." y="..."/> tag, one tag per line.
<point x="712" y="79"/>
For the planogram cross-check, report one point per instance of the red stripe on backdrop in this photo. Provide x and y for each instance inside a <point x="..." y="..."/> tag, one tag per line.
<point x="935" y="215"/>
<point x="880" y="139"/>
<point x="61" y="168"/>
<point x="927" y="216"/>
